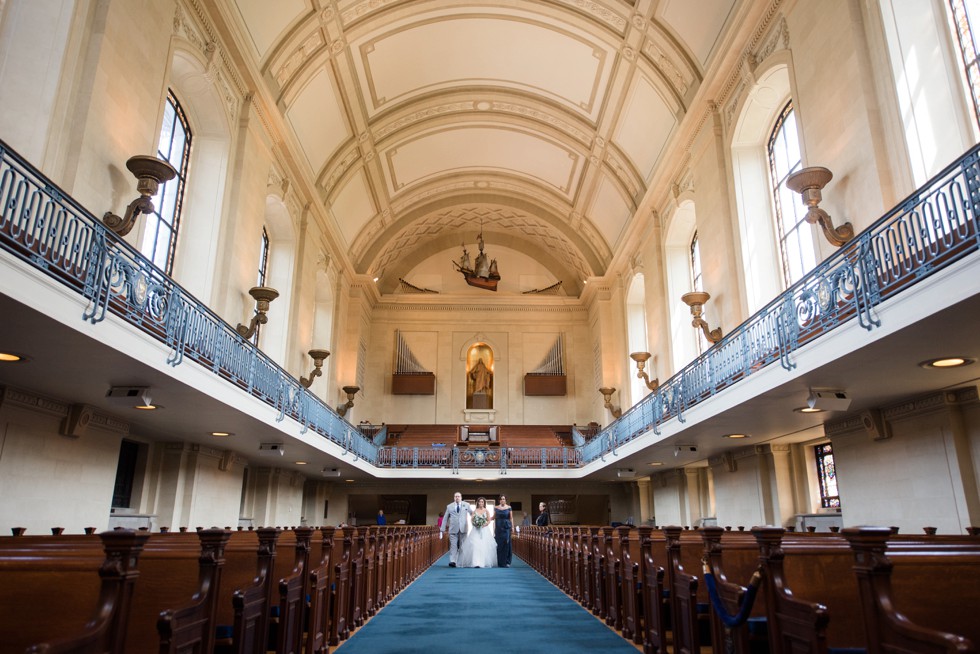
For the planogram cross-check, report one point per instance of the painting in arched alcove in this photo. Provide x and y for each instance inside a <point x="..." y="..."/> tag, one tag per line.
<point x="479" y="377"/>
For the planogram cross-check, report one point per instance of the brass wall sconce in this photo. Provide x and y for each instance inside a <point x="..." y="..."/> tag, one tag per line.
<point x="262" y="295"/>
<point x="607" y="396"/>
<point x="318" y="357"/>
<point x="641" y="359"/>
<point x="808" y="182"/>
<point x="351" y="392"/>
<point x="150" y="172"/>
<point x="696" y="300"/>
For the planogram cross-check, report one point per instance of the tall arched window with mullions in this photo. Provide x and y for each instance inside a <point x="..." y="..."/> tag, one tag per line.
<point x="796" y="245"/>
<point x="160" y="231"/>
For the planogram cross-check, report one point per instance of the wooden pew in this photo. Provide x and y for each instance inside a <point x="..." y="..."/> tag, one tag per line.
<point x="293" y="589"/>
<point x="654" y="627"/>
<point x="318" y="625"/>
<point x="174" y="607"/>
<point x="247" y="591"/>
<point x="83" y="583"/>
<point x="935" y="592"/>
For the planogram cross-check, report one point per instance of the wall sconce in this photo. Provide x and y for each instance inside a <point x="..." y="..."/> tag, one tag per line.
<point x="318" y="357"/>
<point x="150" y="172"/>
<point x="696" y="300"/>
<point x="351" y="392"/>
<point x="607" y="396"/>
<point x="262" y="295"/>
<point x="808" y="182"/>
<point x="641" y="359"/>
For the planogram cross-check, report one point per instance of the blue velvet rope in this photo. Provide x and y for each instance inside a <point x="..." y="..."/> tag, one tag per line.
<point x="747" y="600"/>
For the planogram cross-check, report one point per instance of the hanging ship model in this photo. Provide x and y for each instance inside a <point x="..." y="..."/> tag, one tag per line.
<point x="482" y="273"/>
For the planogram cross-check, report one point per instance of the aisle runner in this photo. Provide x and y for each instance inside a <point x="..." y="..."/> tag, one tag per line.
<point x="493" y="610"/>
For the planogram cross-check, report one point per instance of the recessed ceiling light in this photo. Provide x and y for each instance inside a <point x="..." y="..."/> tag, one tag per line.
<point x="807" y="409"/>
<point x="300" y="463"/>
<point x="948" y="362"/>
<point x="12" y="357"/>
<point x="222" y="433"/>
<point x="736" y="436"/>
<point x="349" y="481"/>
<point x="147" y="407"/>
<point x="655" y="463"/>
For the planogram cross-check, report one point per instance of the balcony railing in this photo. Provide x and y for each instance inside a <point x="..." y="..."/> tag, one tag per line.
<point x="929" y="231"/>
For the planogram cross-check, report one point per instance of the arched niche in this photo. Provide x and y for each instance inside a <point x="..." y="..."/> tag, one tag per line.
<point x="479" y="376"/>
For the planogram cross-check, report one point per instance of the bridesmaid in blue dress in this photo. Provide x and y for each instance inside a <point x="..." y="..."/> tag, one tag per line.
<point x="502" y="524"/>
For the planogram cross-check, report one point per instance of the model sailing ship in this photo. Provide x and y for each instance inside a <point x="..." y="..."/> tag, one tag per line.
<point x="483" y="273"/>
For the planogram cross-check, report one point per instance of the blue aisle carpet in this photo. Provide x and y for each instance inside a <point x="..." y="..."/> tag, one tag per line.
<point x="493" y="610"/>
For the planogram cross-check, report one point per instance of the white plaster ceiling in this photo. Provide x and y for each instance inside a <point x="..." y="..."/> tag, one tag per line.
<point x="421" y="120"/>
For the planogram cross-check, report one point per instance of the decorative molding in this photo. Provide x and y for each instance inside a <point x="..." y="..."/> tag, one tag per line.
<point x="601" y="13"/>
<point x="482" y="308"/>
<point x="24" y="399"/>
<point x="919" y="406"/>
<point x="192" y="24"/>
<point x="304" y="52"/>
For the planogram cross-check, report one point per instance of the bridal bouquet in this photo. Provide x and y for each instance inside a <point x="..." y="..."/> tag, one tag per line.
<point x="479" y="521"/>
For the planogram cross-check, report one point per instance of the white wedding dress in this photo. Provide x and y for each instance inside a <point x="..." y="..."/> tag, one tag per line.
<point x="479" y="550"/>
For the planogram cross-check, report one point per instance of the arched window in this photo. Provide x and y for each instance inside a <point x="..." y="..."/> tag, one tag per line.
<point x="160" y="233"/>
<point x="966" y="14"/>
<point x="795" y="235"/>
<point x="680" y="236"/>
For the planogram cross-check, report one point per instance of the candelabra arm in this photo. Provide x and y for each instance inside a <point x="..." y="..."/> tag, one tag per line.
<point x="836" y="236"/>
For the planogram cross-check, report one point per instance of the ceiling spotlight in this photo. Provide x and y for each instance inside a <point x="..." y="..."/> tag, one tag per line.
<point x="12" y="357"/>
<point x="222" y="433"/>
<point x="300" y="463"/>
<point x="807" y="409"/>
<point x="735" y="436"/>
<point x="948" y="362"/>
<point x="828" y="399"/>
<point x="655" y="463"/>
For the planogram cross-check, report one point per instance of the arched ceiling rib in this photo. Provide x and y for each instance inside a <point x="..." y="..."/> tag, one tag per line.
<point x="547" y="119"/>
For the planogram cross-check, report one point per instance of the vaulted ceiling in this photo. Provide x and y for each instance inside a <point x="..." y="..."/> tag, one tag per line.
<point x="420" y="121"/>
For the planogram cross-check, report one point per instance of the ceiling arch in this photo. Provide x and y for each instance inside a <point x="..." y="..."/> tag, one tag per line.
<point x="550" y="117"/>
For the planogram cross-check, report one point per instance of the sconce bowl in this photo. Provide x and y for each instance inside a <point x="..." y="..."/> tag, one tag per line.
<point x="606" y="391"/>
<point x="814" y="177"/>
<point x="263" y="295"/>
<point x="144" y="166"/>
<point x="640" y="357"/>
<point x="351" y="391"/>
<point x="695" y="298"/>
<point x="318" y="355"/>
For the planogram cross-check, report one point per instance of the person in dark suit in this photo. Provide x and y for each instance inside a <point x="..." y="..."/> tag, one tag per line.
<point x="381" y="517"/>
<point x="544" y="518"/>
<point x="502" y="524"/>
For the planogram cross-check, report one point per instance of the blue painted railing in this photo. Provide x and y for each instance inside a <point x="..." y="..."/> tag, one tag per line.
<point x="929" y="231"/>
<point x="44" y="227"/>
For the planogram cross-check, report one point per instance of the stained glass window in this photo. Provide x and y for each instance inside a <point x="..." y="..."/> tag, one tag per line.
<point x="160" y="234"/>
<point x="795" y="234"/>
<point x="827" y="476"/>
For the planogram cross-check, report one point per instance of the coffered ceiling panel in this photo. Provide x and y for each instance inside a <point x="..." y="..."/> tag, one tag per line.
<point x="482" y="148"/>
<point x="611" y="210"/>
<point x="317" y="118"/>
<point x="353" y="206"/>
<point x="513" y="51"/>
<point x="265" y="21"/>
<point x="414" y="121"/>
<point x="646" y="125"/>
<point x="698" y="24"/>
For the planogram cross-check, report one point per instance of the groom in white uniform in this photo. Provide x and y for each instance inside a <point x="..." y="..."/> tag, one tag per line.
<point x="455" y="520"/>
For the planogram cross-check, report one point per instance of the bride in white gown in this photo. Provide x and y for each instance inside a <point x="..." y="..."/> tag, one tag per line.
<point x="479" y="550"/>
